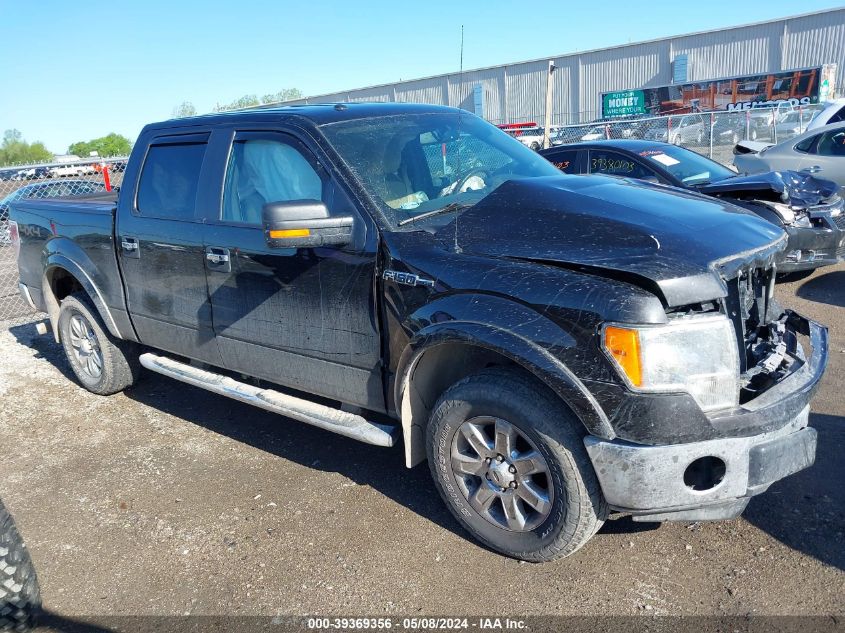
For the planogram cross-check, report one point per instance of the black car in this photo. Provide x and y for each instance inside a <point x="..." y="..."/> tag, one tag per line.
<point x="809" y="209"/>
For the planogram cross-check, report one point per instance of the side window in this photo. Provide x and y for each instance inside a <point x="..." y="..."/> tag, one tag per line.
<point x="806" y="146"/>
<point x="838" y="116"/>
<point x="263" y="170"/>
<point x="567" y="162"/>
<point x="831" y="144"/>
<point x="169" y="179"/>
<point x="614" y="164"/>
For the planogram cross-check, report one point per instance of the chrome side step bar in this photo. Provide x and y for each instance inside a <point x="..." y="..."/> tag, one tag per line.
<point x="335" y="420"/>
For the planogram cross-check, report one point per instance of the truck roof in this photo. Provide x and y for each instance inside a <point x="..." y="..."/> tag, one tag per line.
<point x="319" y="113"/>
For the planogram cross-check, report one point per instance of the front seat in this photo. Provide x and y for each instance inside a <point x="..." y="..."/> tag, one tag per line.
<point x="397" y="184"/>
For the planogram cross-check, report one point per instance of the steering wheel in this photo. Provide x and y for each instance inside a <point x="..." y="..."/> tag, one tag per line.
<point x="463" y="182"/>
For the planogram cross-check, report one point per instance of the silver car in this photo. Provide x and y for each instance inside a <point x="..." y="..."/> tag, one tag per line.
<point x="688" y="129"/>
<point x="820" y="152"/>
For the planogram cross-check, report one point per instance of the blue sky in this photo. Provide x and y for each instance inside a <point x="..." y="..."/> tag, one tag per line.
<point x="78" y="70"/>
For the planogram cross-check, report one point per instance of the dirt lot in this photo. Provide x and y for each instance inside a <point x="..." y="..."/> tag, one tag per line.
<point x="168" y="500"/>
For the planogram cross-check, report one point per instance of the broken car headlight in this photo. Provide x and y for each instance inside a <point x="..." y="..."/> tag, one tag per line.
<point x="697" y="355"/>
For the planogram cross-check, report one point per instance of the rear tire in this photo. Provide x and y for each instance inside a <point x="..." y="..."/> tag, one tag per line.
<point x="102" y="363"/>
<point x="20" y="597"/>
<point x="542" y="501"/>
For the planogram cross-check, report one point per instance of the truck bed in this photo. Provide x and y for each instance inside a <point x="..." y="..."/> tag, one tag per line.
<point x="78" y="229"/>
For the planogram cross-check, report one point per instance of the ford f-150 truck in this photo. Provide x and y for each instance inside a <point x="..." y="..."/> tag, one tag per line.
<point x="557" y="347"/>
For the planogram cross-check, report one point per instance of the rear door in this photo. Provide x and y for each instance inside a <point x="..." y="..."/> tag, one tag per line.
<point x="160" y="229"/>
<point x="301" y="317"/>
<point x="569" y="161"/>
<point x="826" y="157"/>
<point x="611" y="163"/>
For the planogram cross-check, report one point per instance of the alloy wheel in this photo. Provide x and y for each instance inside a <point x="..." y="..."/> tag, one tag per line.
<point x="502" y="474"/>
<point x="86" y="347"/>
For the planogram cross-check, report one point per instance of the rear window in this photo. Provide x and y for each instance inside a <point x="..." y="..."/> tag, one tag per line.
<point x="168" y="185"/>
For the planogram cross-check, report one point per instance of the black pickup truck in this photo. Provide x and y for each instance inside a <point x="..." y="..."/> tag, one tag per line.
<point x="556" y="347"/>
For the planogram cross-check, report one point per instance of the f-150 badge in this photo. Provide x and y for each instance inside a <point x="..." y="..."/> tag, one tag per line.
<point x="409" y="279"/>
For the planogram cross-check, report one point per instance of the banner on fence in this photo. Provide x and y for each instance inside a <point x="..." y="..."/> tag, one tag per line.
<point x="799" y="87"/>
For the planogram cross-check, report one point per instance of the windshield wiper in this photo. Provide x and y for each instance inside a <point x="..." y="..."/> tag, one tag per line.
<point x="449" y="208"/>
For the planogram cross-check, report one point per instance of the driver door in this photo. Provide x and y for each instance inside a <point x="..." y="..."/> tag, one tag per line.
<point x="300" y="317"/>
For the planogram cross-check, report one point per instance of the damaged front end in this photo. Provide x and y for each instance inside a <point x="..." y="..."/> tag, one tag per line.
<point x="761" y="439"/>
<point x="767" y="335"/>
<point x="809" y="209"/>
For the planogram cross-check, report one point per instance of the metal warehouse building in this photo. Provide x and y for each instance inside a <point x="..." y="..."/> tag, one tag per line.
<point x="517" y="92"/>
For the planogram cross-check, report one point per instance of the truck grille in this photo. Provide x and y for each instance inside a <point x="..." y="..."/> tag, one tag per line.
<point x="747" y="303"/>
<point x="839" y="220"/>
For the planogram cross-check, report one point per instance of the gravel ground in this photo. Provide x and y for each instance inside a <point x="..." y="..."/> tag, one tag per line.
<point x="169" y="500"/>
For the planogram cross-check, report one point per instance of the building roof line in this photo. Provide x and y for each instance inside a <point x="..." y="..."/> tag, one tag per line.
<point x="565" y="55"/>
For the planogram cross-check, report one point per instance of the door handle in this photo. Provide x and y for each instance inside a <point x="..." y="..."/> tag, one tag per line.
<point x="812" y="170"/>
<point x="130" y="247"/>
<point x="218" y="259"/>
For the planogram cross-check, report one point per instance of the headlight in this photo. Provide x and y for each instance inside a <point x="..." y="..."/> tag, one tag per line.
<point x="698" y="355"/>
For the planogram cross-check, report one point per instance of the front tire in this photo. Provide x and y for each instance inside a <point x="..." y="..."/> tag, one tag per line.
<point x="20" y="597"/>
<point x="508" y="458"/>
<point x="102" y="363"/>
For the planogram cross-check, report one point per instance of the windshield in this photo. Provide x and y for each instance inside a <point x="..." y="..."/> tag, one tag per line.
<point x="687" y="166"/>
<point x="417" y="163"/>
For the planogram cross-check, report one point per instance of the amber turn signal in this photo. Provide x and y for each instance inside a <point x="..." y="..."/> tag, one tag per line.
<point x="281" y="234"/>
<point x="624" y="346"/>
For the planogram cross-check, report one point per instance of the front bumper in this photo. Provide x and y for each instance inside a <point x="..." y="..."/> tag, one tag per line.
<point x="812" y="247"/>
<point x="660" y="482"/>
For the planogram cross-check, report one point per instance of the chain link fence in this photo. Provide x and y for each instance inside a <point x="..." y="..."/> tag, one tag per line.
<point x="713" y="134"/>
<point x="78" y="178"/>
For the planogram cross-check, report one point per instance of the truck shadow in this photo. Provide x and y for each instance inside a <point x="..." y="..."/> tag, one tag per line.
<point x="827" y="288"/>
<point x="805" y="511"/>
<point x="379" y="468"/>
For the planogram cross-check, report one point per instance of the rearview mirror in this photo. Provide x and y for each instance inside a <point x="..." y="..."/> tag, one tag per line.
<point x="304" y="224"/>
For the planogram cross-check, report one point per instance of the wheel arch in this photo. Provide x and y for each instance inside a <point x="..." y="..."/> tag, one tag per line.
<point x="62" y="277"/>
<point x="442" y="354"/>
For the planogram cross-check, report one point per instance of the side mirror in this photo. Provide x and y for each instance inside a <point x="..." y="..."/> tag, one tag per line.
<point x="304" y="224"/>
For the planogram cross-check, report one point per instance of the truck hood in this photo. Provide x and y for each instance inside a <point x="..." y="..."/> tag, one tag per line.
<point x="682" y="246"/>
<point x="797" y="189"/>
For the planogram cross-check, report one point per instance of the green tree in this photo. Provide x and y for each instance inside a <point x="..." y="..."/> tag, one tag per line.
<point x="186" y="108"/>
<point x="286" y="94"/>
<point x="109" y="145"/>
<point x="14" y="150"/>
<point x="244" y="102"/>
<point x="248" y="101"/>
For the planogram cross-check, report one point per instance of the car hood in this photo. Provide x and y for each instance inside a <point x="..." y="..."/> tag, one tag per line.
<point x="792" y="187"/>
<point x="680" y="245"/>
<point x="751" y="147"/>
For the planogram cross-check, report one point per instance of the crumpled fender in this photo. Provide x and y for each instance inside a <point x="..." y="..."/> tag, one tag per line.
<point x="793" y="187"/>
<point x="519" y="334"/>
